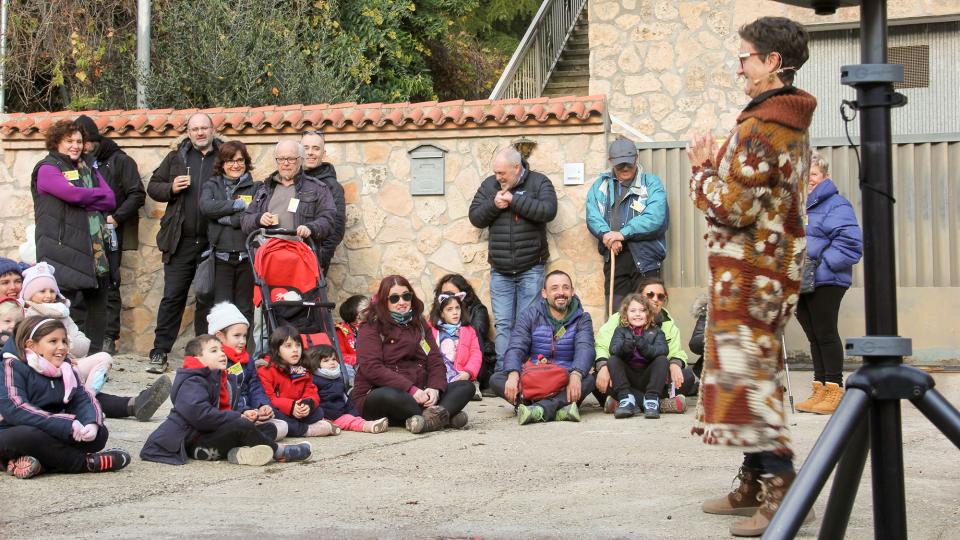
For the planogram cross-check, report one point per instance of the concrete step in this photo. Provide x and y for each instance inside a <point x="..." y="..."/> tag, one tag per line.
<point x="558" y="85"/>
<point x="574" y="63"/>
<point x="560" y="92"/>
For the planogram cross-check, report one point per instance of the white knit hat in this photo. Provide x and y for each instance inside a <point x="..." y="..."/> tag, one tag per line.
<point x="223" y="316"/>
<point x="37" y="278"/>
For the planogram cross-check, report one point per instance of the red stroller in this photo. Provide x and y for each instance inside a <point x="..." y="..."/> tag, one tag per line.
<point x="290" y="289"/>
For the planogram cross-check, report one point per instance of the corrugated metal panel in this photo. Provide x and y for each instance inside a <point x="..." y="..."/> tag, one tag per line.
<point x="927" y="212"/>
<point x="929" y="111"/>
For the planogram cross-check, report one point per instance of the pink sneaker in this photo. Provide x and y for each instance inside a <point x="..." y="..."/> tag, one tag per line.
<point x="676" y="404"/>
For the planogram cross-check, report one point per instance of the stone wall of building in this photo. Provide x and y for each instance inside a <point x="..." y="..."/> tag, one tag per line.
<point x="388" y="230"/>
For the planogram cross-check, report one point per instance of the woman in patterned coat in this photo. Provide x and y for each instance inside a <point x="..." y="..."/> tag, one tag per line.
<point x="751" y="191"/>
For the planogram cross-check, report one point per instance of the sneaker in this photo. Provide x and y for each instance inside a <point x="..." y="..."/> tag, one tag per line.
<point x="24" y="467"/>
<point x="149" y="400"/>
<point x="676" y="404"/>
<point x="258" y="455"/>
<point x="477" y="395"/>
<point x="651" y="408"/>
<point x="627" y="407"/>
<point x="415" y="424"/>
<point x="376" y="426"/>
<point x="201" y="453"/>
<point x="488" y="392"/>
<point x="293" y="452"/>
<point x="109" y="346"/>
<point x="459" y="420"/>
<point x="526" y="415"/>
<point x="570" y="413"/>
<point x="113" y="459"/>
<point x="609" y="405"/>
<point x="158" y="362"/>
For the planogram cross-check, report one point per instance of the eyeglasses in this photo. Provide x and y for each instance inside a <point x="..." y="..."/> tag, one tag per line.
<point x="238" y="161"/>
<point x="624" y="166"/>
<point x="659" y="296"/>
<point x="394" y="298"/>
<point x="287" y="160"/>
<point x="744" y="55"/>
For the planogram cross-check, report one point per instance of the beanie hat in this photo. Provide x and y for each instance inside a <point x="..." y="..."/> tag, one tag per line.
<point x="8" y="266"/>
<point x="36" y="278"/>
<point x="223" y="316"/>
<point x="91" y="133"/>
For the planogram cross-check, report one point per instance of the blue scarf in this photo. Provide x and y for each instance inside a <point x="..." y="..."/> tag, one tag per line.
<point x="448" y="330"/>
<point x="402" y="319"/>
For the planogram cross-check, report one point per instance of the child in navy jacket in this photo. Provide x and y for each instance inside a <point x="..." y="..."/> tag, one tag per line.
<point x="48" y="420"/>
<point x="203" y="424"/>
<point x="321" y="361"/>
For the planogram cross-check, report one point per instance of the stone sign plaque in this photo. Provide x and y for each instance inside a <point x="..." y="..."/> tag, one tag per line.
<point x="426" y="170"/>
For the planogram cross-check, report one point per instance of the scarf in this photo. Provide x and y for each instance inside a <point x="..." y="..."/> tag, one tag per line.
<point x="99" y="235"/>
<point x="448" y="339"/>
<point x="297" y="371"/>
<point x="192" y="362"/>
<point x="236" y="357"/>
<point x="403" y="319"/>
<point x="449" y="330"/>
<point x="331" y="374"/>
<point x="42" y="366"/>
<point x="558" y="323"/>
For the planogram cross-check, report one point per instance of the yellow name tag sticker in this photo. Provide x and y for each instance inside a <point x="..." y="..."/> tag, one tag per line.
<point x="559" y="334"/>
<point x="235" y="369"/>
<point x="293" y="205"/>
<point x="425" y="346"/>
<point x="638" y="206"/>
<point x="72" y="175"/>
<point x="247" y="199"/>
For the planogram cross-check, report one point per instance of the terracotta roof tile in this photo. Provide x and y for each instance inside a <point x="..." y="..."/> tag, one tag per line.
<point x="327" y="116"/>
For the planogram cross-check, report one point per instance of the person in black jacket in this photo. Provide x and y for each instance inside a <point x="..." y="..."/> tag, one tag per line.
<point x="121" y="173"/>
<point x="315" y="166"/>
<point x="516" y="204"/>
<point x="225" y="197"/>
<point x="178" y="181"/>
<point x="48" y="420"/>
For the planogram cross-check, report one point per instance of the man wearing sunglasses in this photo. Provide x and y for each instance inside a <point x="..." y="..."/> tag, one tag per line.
<point x="627" y="212"/>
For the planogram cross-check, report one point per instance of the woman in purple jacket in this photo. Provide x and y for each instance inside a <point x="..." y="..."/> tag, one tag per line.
<point x="834" y="240"/>
<point x="69" y="201"/>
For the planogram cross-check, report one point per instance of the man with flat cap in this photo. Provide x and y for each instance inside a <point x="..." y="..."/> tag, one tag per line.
<point x="628" y="213"/>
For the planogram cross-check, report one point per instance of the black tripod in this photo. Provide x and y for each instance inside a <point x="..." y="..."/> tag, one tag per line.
<point x="876" y="388"/>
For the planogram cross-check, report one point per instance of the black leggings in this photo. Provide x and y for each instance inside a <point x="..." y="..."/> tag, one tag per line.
<point x="239" y="432"/>
<point x="56" y="455"/>
<point x="817" y="313"/>
<point x="625" y="379"/>
<point x="114" y="406"/>
<point x="397" y="405"/>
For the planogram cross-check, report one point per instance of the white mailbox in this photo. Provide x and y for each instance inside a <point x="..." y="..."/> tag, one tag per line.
<point x="427" y="170"/>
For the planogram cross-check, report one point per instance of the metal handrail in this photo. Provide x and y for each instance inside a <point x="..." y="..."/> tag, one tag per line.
<point x="536" y="57"/>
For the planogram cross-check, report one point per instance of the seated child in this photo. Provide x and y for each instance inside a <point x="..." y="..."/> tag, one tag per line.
<point x="290" y="387"/>
<point x="203" y="424"/>
<point x="457" y="340"/>
<point x="638" y="359"/>
<point x="41" y="296"/>
<point x="48" y="422"/>
<point x="351" y="311"/>
<point x="227" y="323"/>
<point x="11" y="313"/>
<point x="322" y="362"/>
<point x="11" y="277"/>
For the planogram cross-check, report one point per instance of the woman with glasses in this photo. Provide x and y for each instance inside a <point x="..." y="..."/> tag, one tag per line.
<point x="400" y="372"/>
<point x="225" y="197"/>
<point x="751" y="191"/>
<point x="69" y="200"/>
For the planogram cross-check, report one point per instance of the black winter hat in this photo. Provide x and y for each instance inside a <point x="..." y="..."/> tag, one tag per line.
<point x="91" y="133"/>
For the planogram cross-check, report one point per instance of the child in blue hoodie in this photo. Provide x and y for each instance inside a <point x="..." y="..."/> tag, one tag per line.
<point x="322" y="362"/>
<point x="203" y="424"/>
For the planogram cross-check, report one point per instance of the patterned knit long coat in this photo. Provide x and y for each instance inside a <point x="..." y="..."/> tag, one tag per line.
<point x="753" y="201"/>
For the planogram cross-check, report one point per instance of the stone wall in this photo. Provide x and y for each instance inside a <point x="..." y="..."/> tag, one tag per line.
<point x="388" y="230"/>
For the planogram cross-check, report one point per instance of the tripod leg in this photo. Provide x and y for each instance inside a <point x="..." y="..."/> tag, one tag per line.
<point x="886" y="461"/>
<point x="939" y="411"/>
<point x="816" y="469"/>
<point x="845" y="484"/>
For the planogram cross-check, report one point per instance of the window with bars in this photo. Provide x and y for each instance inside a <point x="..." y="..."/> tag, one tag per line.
<point x="916" y="65"/>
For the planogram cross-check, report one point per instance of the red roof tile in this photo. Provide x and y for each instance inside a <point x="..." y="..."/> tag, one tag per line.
<point x="326" y="116"/>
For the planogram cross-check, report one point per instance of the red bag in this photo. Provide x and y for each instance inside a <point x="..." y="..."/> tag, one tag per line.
<point x="540" y="378"/>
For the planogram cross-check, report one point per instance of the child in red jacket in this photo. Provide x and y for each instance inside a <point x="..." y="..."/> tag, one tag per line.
<point x="351" y="311"/>
<point x="290" y="387"/>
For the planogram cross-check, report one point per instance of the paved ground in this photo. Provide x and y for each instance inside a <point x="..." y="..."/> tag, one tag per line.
<point x="602" y="478"/>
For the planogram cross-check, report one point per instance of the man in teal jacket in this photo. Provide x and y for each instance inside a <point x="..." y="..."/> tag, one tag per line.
<point x="627" y="212"/>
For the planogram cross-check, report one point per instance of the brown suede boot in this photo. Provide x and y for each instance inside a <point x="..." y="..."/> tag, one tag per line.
<point x="775" y="489"/>
<point x="741" y="501"/>
<point x="832" y="395"/>
<point x="818" y="391"/>
<point x="433" y="419"/>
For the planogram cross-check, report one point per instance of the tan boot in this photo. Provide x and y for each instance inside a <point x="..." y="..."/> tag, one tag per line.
<point x="775" y="489"/>
<point x="833" y="393"/>
<point x="741" y="501"/>
<point x="807" y="406"/>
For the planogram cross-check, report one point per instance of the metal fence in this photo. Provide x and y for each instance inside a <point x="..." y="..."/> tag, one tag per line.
<point x="927" y="212"/>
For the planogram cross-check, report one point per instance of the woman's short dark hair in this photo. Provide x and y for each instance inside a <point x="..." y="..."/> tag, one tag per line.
<point x="782" y="36"/>
<point x="60" y="131"/>
<point x="227" y="151"/>
<point x="379" y="309"/>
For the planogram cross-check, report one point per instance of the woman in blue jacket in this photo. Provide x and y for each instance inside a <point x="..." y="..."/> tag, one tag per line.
<point x="835" y="241"/>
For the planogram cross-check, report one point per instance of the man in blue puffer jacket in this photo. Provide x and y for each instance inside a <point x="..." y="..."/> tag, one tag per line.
<point x="558" y="329"/>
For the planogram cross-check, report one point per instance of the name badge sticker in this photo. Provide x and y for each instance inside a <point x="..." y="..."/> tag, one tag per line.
<point x="559" y="334"/>
<point x="247" y="199"/>
<point x="293" y="205"/>
<point x="235" y="369"/>
<point x="425" y="346"/>
<point x="638" y="206"/>
<point x="72" y="175"/>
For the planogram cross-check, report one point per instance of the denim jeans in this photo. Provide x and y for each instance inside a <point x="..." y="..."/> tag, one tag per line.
<point x="509" y="295"/>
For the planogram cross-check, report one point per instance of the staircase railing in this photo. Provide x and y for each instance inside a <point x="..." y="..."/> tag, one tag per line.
<point x="536" y="57"/>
